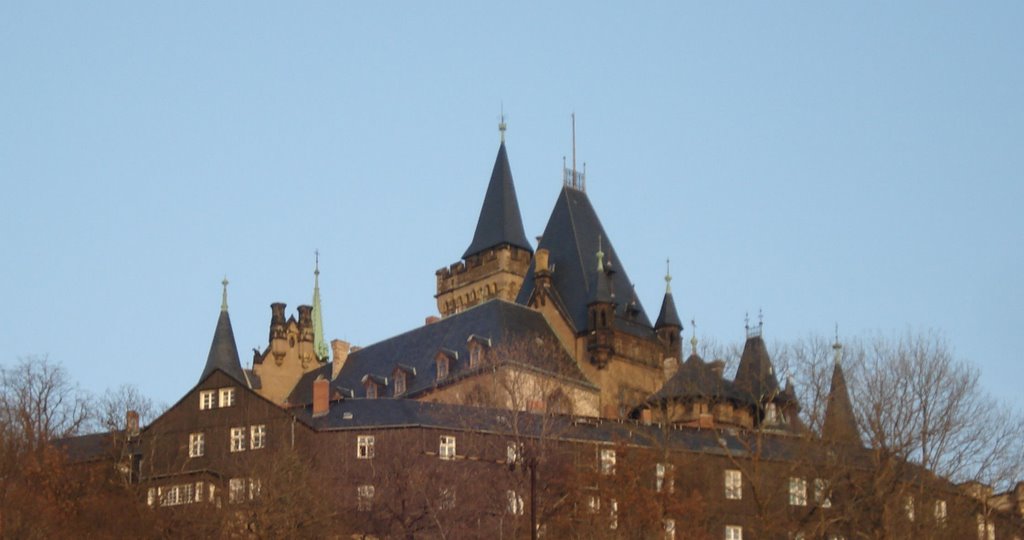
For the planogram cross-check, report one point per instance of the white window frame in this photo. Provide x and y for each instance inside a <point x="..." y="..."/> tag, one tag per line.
<point x="227" y="397"/>
<point x="822" y="493"/>
<point x="733" y="532"/>
<point x="908" y="507"/>
<point x="238" y="439"/>
<point x="364" y="447"/>
<point x="797" y="491"/>
<point x="196" y="445"/>
<point x="364" y="497"/>
<point x="257" y="436"/>
<point x="613" y="514"/>
<point x="670" y="528"/>
<point x="733" y="484"/>
<point x="255" y="488"/>
<point x="606" y="461"/>
<point x="940" y="511"/>
<point x="516" y="507"/>
<point x="447" y="447"/>
<point x="207" y="400"/>
<point x="236" y="490"/>
<point x="513" y="452"/>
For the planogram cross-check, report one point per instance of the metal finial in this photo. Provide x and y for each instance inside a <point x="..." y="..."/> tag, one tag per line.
<point x="746" y="320"/>
<point x="693" y="340"/>
<point x="760" y="318"/>
<point x="224" y="295"/>
<point x="502" y="126"/>
<point x="316" y="268"/>
<point x="600" y="255"/>
<point x="668" y="277"/>
<point x="837" y="347"/>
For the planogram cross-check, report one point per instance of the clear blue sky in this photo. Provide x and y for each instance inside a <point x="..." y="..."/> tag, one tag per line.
<point x="859" y="163"/>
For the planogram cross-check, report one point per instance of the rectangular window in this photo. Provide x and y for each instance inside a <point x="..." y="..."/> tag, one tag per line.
<point x="797" y="491"/>
<point x="236" y="490"/>
<point x="177" y="495"/>
<point x="733" y="532"/>
<point x="940" y="511"/>
<point x="513" y="452"/>
<point x="986" y="530"/>
<point x="196" y="445"/>
<point x="515" y="503"/>
<point x="371" y="390"/>
<point x="613" y="514"/>
<point x="257" y="436"/>
<point x="237" y="439"/>
<point x="227" y="397"/>
<point x="659" y="477"/>
<point x="255" y="488"/>
<point x="446" y="498"/>
<point x="399" y="383"/>
<point x="475" y="352"/>
<point x="733" y="484"/>
<point x="364" y="447"/>
<point x="151" y="496"/>
<point x="365" y="497"/>
<point x="822" y="493"/>
<point x="607" y="461"/>
<point x="206" y="399"/>
<point x="670" y="528"/>
<point x="447" y="448"/>
<point x="442" y="368"/>
<point x="908" y="507"/>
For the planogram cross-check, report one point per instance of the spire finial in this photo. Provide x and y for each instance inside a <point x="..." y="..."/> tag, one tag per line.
<point x="319" y="344"/>
<point x="224" y="294"/>
<point x="746" y="320"/>
<point x="668" y="277"/>
<point x="316" y="266"/>
<point x="837" y="347"/>
<point x="502" y="126"/>
<point x="760" y="318"/>
<point x="693" y="340"/>
<point x="600" y="255"/>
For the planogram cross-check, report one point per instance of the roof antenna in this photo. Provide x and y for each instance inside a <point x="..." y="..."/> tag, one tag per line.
<point x="502" y="126"/>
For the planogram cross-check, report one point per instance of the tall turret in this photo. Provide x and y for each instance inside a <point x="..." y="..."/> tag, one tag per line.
<point x="601" y="315"/>
<point x="223" y="350"/>
<point x="496" y="260"/>
<point x="669" y="327"/>
<point x="840" y="425"/>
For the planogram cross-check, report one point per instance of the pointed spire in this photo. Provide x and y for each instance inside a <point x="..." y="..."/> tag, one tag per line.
<point x="840" y="425"/>
<point x="319" y="345"/>
<point x="502" y="126"/>
<point x="223" y="350"/>
<point x="600" y="255"/>
<point x="668" y="316"/>
<point x="693" y="339"/>
<point x="668" y="277"/>
<point x="500" y="221"/>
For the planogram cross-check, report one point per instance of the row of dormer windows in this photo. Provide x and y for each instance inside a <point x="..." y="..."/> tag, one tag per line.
<point x="215" y="399"/>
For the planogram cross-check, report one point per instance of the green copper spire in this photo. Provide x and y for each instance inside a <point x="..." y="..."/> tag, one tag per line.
<point x="319" y="345"/>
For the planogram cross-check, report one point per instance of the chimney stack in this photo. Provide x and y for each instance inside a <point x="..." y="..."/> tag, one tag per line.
<point x="131" y="424"/>
<point x="339" y="350"/>
<point x="321" y="396"/>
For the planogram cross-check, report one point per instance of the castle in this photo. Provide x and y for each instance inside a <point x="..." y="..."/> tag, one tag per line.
<point x="544" y="376"/>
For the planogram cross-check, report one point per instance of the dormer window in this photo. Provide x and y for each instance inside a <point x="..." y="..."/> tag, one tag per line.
<point x="444" y="361"/>
<point x="476" y="346"/>
<point x="442" y="367"/>
<point x="371" y="390"/>
<point x="372" y="384"/>
<point x="399" y="382"/>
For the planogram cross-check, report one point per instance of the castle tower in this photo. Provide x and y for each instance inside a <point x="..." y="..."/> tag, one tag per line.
<point x="223" y="350"/>
<point x="668" y="327"/>
<point x="840" y="424"/>
<point x="496" y="260"/>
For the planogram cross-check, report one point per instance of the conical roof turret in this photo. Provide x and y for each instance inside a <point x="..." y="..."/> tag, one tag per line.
<point x="668" y="316"/>
<point x="223" y="350"/>
<point x="500" y="221"/>
<point x="840" y="425"/>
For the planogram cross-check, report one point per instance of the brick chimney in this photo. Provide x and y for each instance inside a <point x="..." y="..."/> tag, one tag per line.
<point x="339" y="351"/>
<point x="131" y="424"/>
<point x="321" y="396"/>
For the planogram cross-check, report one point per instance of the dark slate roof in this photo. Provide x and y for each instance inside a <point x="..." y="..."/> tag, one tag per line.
<point x="500" y="221"/>
<point x="223" y="351"/>
<point x="571" y="237"/>
<point x="755" y="377"/>
<point x="504" y="323"/>
<point x="840" y="425"/>
<point x="668" y="315"/>
<point x="91" y="447"/>
<point x="696" y="379"/>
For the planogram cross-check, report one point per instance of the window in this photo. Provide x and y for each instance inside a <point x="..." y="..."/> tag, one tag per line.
<point x="670" y="529"/>
<point x="797" y="491"/>
<point x="227" y="397"/>
<point x="940" y="511"/>
<point x="446" y="499"/>
<point x="179" y="494"/>
<point x="371" y="390"/>
<point x="151" y="496"/>
<point x="475" y="354"/>
<point x="733" y="532"/>
<point x="986" y="531"/>
<point x="607" y="461"/>
<point x="364" y="447"/>
<point x="365" y="497"/>
<point x="515" y="503"/>
<point x="237" y="439"/>
<point x="196" y="445"/>
<point x="663" y="479"/>
<point x="255" y="487"/>
<point x="399" y="383"/>
<point x="613" y="514"/>
<point x="447" y="448"/>
<point x="908" y="507"/>
<point x="594" y="504"/>
<point x="257" y="436"/>
<point x="442" y="367"/>
<point x="733" y="484"/>
<point x="514" y="452"/>
<point x="822" y="493"/>
<point x="206" y="398"/>
<point x="236" y="490"/>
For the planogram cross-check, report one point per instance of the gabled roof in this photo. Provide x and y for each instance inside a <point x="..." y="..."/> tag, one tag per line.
<point x="500" y="221"/>
<point x="840" y="425"/>
<point x="755" y="377"/>
<point x="502" y="322"/>
<point x="223" y="351"/>
<point x="571" y="237"/>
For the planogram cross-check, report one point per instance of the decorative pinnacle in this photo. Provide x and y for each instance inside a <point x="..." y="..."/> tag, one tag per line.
<point x="224" y="295"/>
<point x="600" y="255"/>
<point x="837" y="347"/>
<point x="746" y="320"/>
<point x="316" y="267"/>
<point x="502" y="126"/>
<point x="668" y="278"/>
<point x="760" y="318"/>
<point x="693" y="340"/>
